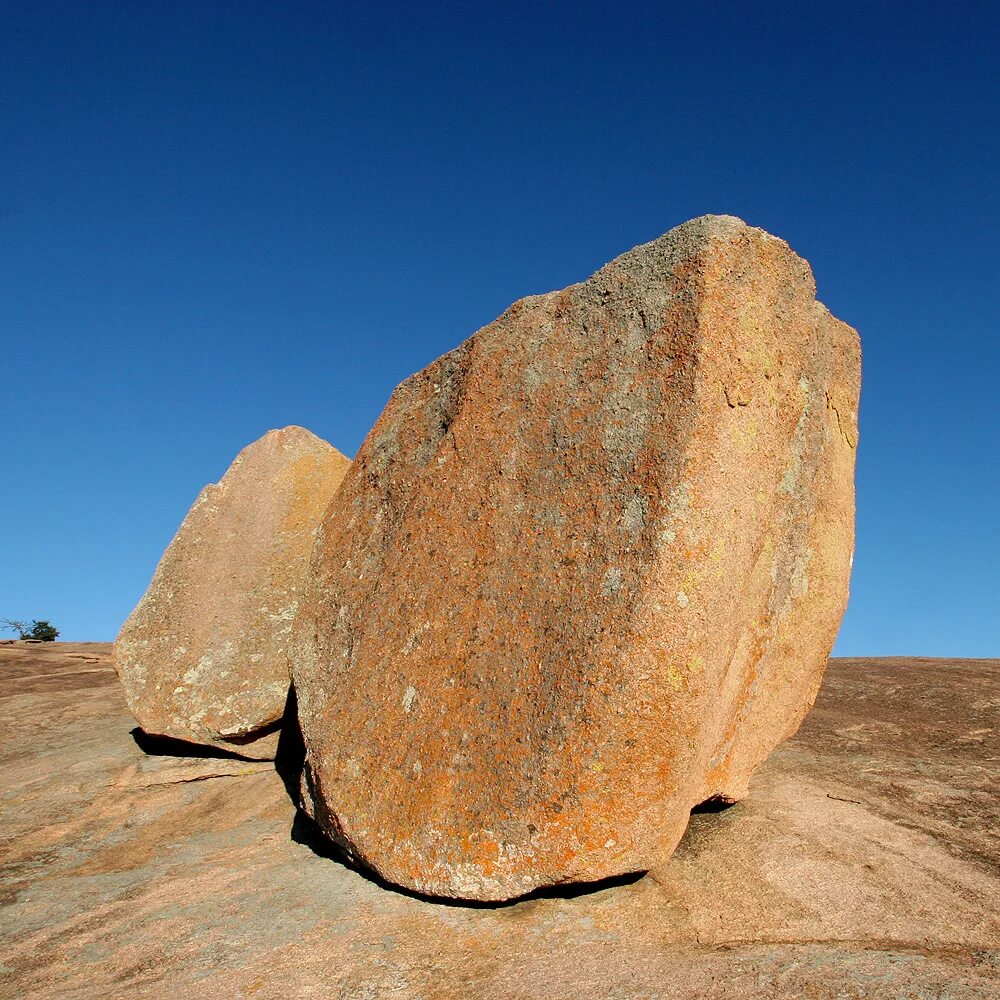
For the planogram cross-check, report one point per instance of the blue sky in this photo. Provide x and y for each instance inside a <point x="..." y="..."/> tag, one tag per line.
<point x="220" y="218"/>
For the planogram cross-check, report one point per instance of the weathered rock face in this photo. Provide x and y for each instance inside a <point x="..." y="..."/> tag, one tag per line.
<point x="205" y="656"/>
<point x="585" y="571"/>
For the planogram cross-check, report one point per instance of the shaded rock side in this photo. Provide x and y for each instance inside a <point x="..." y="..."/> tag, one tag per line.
<point x="584" y="573"/>
<point x="205" y="656"/>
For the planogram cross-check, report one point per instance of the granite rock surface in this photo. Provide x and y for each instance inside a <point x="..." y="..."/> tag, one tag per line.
<point x="584" y="573"/>
<point x="205" y="655"/>
<point x="865" y="865"/>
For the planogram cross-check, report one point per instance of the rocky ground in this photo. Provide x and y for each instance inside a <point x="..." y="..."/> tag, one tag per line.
<point x="864" y="864"/>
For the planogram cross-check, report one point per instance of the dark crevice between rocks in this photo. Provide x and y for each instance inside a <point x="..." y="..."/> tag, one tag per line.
<point x="290" y="757"/>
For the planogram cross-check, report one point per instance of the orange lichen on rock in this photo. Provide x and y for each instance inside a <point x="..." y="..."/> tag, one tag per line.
<point x="584" y="573"/>
<point x="204" y="656"/>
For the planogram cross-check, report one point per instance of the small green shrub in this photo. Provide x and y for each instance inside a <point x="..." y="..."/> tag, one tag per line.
<point x="43" y="631"/>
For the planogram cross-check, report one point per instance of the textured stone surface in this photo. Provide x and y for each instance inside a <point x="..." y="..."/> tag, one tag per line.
<point x="204" y="656"/>
<point x="585" y="571"/>
<point x="864" y="866"/>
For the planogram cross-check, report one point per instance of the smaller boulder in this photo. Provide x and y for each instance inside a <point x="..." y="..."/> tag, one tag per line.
<point x="204" y="656"/>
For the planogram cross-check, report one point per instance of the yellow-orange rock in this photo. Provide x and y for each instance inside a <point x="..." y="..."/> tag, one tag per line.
<point x="204" y="656"/>
<point x="585" y="571"/>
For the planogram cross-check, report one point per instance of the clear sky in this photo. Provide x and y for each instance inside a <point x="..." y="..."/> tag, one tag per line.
<point x="220" y="218"/>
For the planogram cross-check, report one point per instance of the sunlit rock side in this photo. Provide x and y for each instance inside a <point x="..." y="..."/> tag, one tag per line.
<point x="204" y="656"/>
<point x="585" y="571"/>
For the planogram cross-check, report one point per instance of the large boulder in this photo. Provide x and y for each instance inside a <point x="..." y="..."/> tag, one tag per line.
<point x="584" y="573"/>
<point x="204" y="656"/>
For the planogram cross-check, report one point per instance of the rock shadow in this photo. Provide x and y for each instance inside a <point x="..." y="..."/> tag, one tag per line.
<point x="716" y="804"/>
<point x="168" y="746"/>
